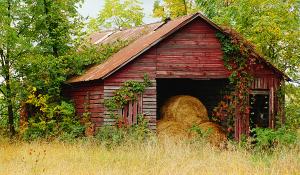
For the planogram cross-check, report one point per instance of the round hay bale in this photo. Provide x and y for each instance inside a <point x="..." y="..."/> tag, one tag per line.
<point x="184" y="109"/>
<point x="171" y="129"/>
<point x="214" y="133"/>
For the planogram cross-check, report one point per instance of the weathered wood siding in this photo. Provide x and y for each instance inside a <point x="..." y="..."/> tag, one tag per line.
<point x="267" y="79"/>
<point x="193" y="52"/>
<point x="135" y="71"/>
<point x="88" y="98"/>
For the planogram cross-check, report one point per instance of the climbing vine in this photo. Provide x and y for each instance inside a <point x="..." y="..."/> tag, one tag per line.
<point x="128" y="92"/>
<point x="238" y="60"/>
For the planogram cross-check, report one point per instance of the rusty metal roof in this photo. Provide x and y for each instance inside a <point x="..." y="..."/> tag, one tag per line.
<point x="123" y="35"/>
<point x="145" y="37"/>
<point x="131" y="51"/>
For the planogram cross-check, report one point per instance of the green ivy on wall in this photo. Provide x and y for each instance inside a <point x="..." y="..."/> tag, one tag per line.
<point x="128" y="92"/>
<point x="237" y="60"/>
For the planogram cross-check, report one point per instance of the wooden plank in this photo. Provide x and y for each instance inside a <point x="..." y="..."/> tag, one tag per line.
<point x="140" y="103"/>
<point x="135" y="112"/>
<point x="125" y="114"/>
<point x="97" y="119"/>
<point x="130" y="113"/>
<point x="271" y="108"/>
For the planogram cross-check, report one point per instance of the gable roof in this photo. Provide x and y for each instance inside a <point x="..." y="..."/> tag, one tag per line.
<point x="145" y="37"/>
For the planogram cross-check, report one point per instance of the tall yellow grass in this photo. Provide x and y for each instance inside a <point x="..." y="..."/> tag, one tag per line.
<point x="166" y="157"/>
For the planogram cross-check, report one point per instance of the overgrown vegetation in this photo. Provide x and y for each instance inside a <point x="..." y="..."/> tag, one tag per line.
<point x="152" y="157"/>
<point x="122" y="132"/>
<point x="128" y="92"/>
<point x="112" y="136"/>
<point x="238" y="61"/>
<point x="268" y="139"/>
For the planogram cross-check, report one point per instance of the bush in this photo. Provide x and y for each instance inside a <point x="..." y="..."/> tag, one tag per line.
<point x="266" y="138"/>
<point x="113" y="136"/>
<point x="293" y="115"/>
<point x="201" y="133"/>
<point x="58" y="121"/>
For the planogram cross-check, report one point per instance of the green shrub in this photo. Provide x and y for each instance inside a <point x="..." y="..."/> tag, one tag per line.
<point x="266" y="138"/>
<point x="201" y="133"/>
<point x="114" y="136"/>
<point x="140" y="131"/>
<point x="111" y="135"/>
<point x="57" y="121"/>
<point x="293" y="115"/>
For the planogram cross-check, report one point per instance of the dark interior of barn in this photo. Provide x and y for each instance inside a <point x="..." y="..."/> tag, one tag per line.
<point x="209" y="92"/>
<point x="259" y="110"/>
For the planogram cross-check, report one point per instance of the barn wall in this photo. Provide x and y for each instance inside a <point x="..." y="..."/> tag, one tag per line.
<point x="88" y="97"/>
<point x="135" y="71"/>
<point x="267" y="79"/>
<point x="193" y="52"/>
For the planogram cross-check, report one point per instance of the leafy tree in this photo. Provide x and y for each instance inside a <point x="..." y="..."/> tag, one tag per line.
<point x="173" y="8"/>
<point x="212" y="8"/>
<point x="34" y="32"/>
<point x="118" y="14"/>
<point x="56" y="27"/>
<point x="14" y="23"/>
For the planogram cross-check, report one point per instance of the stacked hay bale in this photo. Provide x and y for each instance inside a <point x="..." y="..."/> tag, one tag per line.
<point x="180" y="113"/>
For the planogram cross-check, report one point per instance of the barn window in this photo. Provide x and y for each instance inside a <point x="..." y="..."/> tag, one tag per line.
<point x="259" y="109"/>
<point x="131" y="111"/>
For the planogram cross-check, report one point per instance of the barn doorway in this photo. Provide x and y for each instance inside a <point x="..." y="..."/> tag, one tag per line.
<point x="209" y="92"/>
<point x="259" y="109"/>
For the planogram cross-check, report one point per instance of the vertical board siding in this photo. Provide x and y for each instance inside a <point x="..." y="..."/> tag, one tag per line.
<point x="88" y="98"/>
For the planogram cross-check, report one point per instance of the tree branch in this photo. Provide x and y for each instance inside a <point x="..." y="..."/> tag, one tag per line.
<point x="2" y="92"/>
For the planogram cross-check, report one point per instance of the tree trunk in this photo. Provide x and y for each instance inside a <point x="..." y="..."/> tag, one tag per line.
<point x="12" y="130"/>
<point x="6" y="70"/>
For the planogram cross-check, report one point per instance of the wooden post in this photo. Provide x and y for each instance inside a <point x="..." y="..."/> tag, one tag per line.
<point x="237" y="123"/>
<point x="271" y="108"/>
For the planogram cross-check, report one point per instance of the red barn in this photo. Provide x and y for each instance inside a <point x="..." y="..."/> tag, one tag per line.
<point x="181" y="56"/>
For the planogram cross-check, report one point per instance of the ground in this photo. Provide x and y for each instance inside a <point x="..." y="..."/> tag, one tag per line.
<point x="164" y="157"/>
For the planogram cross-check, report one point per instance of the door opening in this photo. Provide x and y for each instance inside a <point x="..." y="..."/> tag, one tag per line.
<point x="259" y="109"/>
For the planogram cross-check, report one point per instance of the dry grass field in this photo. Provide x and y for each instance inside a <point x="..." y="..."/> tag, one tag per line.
<point x="166" y="157"/>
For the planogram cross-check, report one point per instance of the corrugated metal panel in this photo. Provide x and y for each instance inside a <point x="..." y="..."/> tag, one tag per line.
<point x="122" y="35"/>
